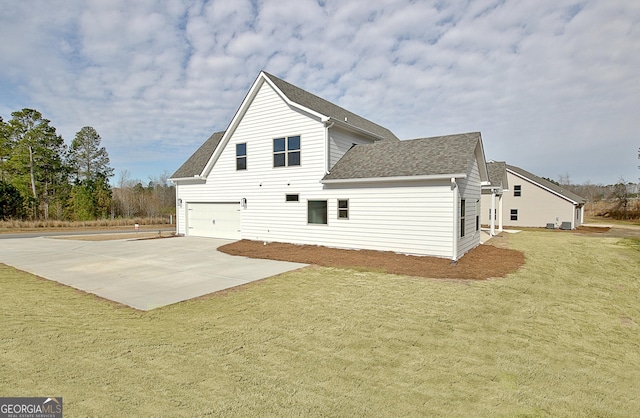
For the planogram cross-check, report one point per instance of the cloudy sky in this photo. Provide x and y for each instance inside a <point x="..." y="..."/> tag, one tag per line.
<point x="553" y="85"/>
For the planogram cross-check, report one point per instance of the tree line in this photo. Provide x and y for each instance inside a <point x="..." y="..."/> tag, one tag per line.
<point x="615" y="201"/>
<point x="42" y="178"/>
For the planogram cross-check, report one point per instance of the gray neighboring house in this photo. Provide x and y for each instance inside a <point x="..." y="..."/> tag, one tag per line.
<point x="293" y="167"/>
<point x="531" y="201"/>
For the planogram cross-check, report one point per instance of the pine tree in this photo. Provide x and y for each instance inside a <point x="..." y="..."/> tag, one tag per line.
<point x="35" y="163"/>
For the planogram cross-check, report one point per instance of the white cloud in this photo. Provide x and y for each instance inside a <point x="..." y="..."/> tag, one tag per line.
<point x="552" y="85"/>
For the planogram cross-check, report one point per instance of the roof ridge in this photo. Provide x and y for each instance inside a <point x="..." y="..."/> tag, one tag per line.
<point x="314" y="102"/>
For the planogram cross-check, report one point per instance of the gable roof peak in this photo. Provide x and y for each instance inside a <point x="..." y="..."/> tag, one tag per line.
<point x="327" y="108"/>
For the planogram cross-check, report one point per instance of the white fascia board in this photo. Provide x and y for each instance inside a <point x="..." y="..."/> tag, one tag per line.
<point x="397" y="179"/>
<point x="186" y="179"/>
<point x="295" y="105"/>
<point x="560" y="195"/>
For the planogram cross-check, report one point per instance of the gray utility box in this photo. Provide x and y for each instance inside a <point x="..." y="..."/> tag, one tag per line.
<point x="565" y="225"/>
<point x="551" y="226"/>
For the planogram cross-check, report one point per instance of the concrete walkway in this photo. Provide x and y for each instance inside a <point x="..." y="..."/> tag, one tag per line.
<point x="143" y="274"/>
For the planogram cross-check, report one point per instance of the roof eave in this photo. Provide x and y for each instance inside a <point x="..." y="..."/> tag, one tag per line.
<point x="195" y="178"/>
<point x="352" y="128"/>
<point x="429" y="177"/>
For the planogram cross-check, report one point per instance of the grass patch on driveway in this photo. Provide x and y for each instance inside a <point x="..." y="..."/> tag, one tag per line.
<point x="560" y="337"/>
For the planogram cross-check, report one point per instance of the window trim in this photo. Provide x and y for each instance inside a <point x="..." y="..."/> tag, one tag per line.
<point x="326" y="211"/>
<point x="241" y="157"/>
<point x="344" y="210"/>
<point x="287" y="152"/>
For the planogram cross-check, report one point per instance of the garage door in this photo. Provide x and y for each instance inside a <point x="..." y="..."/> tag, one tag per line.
<point x="216" y="220"/>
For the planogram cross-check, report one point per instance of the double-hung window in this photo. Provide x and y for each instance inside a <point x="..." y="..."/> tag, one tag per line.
<point x="286" y="151"/>
<point x="514" y="214"/>
<point x="343" y="209"/>
<point x="241" y="156"/>
<point x="517" y="191"/>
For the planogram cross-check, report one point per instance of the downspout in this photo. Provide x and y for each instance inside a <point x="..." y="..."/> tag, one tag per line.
<point x="454" y="188"/>
<point x="500" y="219"/>
<point x="328" y="123"/>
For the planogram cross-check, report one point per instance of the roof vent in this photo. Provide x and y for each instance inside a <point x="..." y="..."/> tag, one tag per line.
<point x="345" y="119"/>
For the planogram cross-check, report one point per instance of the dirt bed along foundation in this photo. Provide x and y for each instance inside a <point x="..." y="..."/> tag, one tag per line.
<point x="483" y="262"/>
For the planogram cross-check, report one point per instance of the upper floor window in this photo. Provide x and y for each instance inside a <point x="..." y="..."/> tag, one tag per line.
<point x="286" y="151"/>
<point x="241" y="156"/>
<point x="517" y="191"/>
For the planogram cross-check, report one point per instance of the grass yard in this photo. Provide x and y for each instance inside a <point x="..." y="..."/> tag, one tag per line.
<point x="561" y="337"/>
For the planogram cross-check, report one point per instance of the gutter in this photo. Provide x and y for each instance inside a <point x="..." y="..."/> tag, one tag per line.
<point x="195" y="177"/>
<point x="429" y="177"/>
<point x="353" y="128"/>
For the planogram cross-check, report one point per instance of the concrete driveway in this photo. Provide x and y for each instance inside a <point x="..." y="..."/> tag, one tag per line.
<point x="143" y="274"/>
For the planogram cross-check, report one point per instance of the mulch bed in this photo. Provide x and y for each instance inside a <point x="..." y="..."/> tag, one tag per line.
<point x="483" y="262"/>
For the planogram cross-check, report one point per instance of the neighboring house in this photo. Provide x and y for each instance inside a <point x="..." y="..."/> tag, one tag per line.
<point x="532" y="201"/>
<point x="292" y="167"/>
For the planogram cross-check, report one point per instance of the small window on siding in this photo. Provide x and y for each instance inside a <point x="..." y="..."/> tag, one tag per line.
<point x="517" y="191"/>
<point x="514" y="214"/>
<point x="241" y="156"/>
<point x="317" y="212"/>
<point x="292" y="198"/>
<point x="463" y="213"/>
<point x="343" y="209"/>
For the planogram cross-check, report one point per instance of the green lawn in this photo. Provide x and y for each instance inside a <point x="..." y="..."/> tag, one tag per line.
<point x="559" y="338"/>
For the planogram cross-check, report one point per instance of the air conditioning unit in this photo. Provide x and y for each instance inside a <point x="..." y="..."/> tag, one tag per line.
<point x="565" y="226"/>
<point x="551" y="226"/>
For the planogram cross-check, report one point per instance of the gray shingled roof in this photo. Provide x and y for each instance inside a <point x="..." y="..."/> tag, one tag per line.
<point x="195" y="164"/>
<point x="324" y="107"/>
<point x="497" y="170"/>
<point x="546" y="183"/>
<point x="440" y="155"/>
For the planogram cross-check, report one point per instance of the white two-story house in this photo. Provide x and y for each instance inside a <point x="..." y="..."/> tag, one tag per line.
<point x="292" y="167"/>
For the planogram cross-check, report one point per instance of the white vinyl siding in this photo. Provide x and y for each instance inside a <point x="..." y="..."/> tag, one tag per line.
<point x="341" y="141"/>
<point x="267" y="117"/>
<point x="470" y="191"/>
<point x="408" y="218"/>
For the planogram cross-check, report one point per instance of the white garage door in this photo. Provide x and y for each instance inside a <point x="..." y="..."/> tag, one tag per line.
<point x="216" y="220"/>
